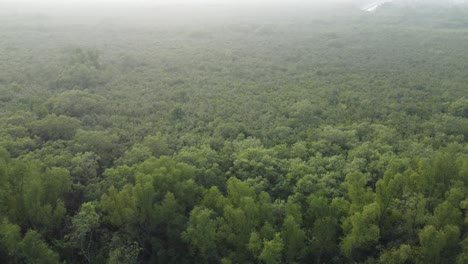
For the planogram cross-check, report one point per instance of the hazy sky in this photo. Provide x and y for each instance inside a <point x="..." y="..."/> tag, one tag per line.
<point x="180" y="1"/>
<point x="71" y="7"/>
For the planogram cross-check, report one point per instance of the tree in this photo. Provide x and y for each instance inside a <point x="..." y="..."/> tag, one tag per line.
<point x="44" y="198"/>
<point x="438" y="245"/>
<point x="359" y="195"/>
<point x="136" y="154"/>
<point x="201" y="232"/>
<point x="294" y="240"/>
<point x="124" y="254"/>
<point x="403" y="254"/>
<point x="459" y="107"/>
<point x="463" y="256"/>
<point x="362" y="233"/>
<point x="85" y="168"/>
<point x="54" y="127"/>
<point x="28" y="249"/>
<point x="84" y="226"/>
<point x="158" y="144"/>
<point x="77" y="76"/>
<point x="272" y="250"/>
<point x="119" y="207"/>
<point x="35" y="250"/>
<point x="103" y="143"/>
<point x="10" y="239"/>
<point x="76" y="103"/>
<point x="447" y="214"/>
<point x="255" y="244"/>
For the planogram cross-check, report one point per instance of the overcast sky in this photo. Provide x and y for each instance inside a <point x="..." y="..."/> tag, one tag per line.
<point x="73" y="7"/>
<point x="180" y="1"/>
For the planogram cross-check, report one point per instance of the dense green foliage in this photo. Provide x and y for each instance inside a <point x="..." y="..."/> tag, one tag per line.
<point x="285" y="137"/>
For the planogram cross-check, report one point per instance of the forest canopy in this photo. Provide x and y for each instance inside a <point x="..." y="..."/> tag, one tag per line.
<point x="288" y="134"/>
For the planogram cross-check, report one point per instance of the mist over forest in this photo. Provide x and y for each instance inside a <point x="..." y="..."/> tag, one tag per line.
<point x="221" y="131"/>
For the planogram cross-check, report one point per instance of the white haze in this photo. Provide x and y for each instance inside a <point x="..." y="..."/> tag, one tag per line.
<point x="146" y="3"/>
<point x="169" y="11"/>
